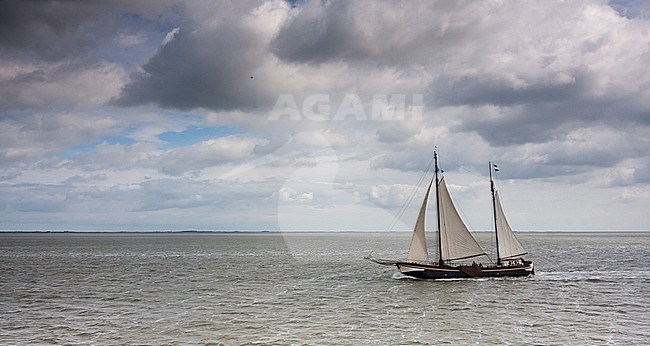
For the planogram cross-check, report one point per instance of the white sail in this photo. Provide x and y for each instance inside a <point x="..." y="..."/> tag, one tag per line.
<point x="456" y="242"/>
<point x="509" y="246"/>
<point x="418" y="249"/>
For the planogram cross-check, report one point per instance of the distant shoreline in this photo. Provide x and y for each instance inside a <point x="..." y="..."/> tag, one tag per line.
<point x="284" y="231"/>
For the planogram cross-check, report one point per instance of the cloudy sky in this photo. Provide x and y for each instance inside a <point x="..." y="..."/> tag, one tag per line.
<point x="321" y="115"/>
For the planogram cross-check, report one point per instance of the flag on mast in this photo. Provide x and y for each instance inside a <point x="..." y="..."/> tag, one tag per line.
<point x="496" y="167"/>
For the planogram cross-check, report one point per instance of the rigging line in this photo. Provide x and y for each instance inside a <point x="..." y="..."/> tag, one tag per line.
<point x="464" y="169"/>
<point x="452" y="197"/>
<point x="408" y="201"/>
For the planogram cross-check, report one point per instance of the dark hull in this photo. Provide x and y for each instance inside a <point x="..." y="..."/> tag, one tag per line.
<point x="432" y="271"/>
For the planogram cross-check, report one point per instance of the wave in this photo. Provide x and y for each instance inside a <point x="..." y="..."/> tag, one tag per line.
<point x="594" y="276"/>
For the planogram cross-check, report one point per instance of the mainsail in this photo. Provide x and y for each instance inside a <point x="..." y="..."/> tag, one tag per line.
<point x="456" y="242"/>
<point x="418" y="249"/>
<point x="508" y="244"/>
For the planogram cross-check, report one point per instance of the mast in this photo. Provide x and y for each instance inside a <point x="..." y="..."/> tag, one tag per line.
<point x="435" y="159"/>
<point x="494" y="210"/>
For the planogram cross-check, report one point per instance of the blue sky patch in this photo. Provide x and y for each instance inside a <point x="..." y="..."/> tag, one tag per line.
<point x="195" y="134"/>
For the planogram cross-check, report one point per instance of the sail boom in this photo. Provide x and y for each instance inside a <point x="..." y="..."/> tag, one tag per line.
<point x="512" y="256"/>
<point x="466" y="257"/>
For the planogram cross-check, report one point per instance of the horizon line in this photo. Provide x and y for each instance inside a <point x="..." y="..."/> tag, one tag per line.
<point x="303" y="231"/>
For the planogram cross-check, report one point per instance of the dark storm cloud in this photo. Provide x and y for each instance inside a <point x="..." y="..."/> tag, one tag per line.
<point x="495" y="90"/>
<point x="56" y="30"/>
<point x="209" y="69"/>
<point x="58" y="55"/>
<point x="52" y="30"/>
<point x="210" y="63"/>
<point x="321" y="32"/>
<point x="539" y="122"/>
<point x="375" y="32"/>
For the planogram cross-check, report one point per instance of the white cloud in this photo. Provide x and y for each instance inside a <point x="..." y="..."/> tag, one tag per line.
<point x="170" y="36"/>
<point x="209" y="153"/>
<point x="391" y="196"/>
<point x="290" y="195"/>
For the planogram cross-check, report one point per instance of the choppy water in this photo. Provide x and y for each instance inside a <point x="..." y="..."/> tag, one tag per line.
<point x="313" y="289"/>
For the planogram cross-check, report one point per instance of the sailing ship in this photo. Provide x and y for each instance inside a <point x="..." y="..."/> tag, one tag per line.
<point x="456" y="245"/>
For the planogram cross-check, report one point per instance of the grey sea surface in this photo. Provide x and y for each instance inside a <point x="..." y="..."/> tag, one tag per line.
<point x="313" y="289"/>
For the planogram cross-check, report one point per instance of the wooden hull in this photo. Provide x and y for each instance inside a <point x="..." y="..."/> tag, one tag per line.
<point x="433" y="271"/>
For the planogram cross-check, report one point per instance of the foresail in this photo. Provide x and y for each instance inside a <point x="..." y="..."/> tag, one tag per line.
<point x="456" y="242"/>
<point x="509" y="246"/>
<point x="418" y="249"/>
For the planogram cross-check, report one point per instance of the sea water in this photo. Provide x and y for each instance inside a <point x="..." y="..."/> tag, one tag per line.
<point x="313" y="289"/>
